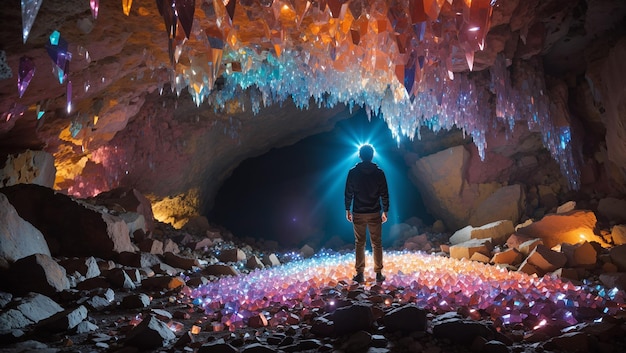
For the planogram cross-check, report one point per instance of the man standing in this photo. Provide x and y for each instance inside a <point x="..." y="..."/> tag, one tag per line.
<point x="366" y="190"/>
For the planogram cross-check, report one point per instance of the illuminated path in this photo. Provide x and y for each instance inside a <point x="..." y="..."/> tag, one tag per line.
<point x="436" y="283"/>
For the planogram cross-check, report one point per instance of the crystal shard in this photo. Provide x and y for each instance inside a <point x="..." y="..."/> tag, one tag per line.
<point x="126" y="5"/>
<point x="30" y="8"/>
<point x="25" y="74"/>
<point x="57" y="50"/>
<point x="69" y="96"/>
<point x="185" y="10"/>
<point x="95" y="6"/>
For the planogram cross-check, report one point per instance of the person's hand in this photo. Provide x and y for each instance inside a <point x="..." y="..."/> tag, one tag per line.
<point x="384" y="217"/>
<point x="349" y="216"/>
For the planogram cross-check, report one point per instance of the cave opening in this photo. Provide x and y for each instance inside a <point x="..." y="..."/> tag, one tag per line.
<point x="294" y="195"/>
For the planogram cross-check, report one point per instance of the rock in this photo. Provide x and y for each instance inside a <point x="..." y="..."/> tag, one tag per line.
<point x="548" y="197"/>
<point x="170" y="246"/>
<point x="257" y="321"/>
<point x="217" y="347"/>
<point x="130" y="200"/>
<point x="85" y="327"/>
<point x="12" y="319"/>
<point x="618" y="234"/>
<point x="134" y="221"/>
<point x="197" y="225"/>
<point x="322" y="326"/>
<point x="406" y="318"/>
<point x="554" y="229"/>
<point x="5" y="298"/>
<point x="65" y="320"/>
<point x="514" y="241"/>
<point x="459" y="330"/>
<point x="37" y="307"/>
<point x="567" y="273"/>
<point x="18" y="238"/>
<point x="545" y="259"/>
<point x="151" y="333"/>
<point x="151" y="246"/>
<point x="358" y="341"/>
<point x="527" y="268"/>
<point x="93" y="283"/>
<point x="179" y="261"/>
<point x="119" y="279"/>
<point x="141" y="259"/>
<point x="232" y="255"/>
<point x="612" y="280"/>
<point x="257" y="348"/>
<point x="86" y="266"/>
<point x="164" y="269"/>
<point x="307" y="251"/>
<point x="352" y="318"/>
<point x="508" y="257"/>
<point x="618" y="257"/>
<point x="506" y="203"/>
<point x="612" y="209"/>
<point x="271" y="260"/>
<point x="135" y="301"/>
<point x="438" y="226"/>
<point x="569" y="342"/>
<point x="566" y="207"/>
<point x="202" y="244"/>
<point x="44" y="275"/>
<point x="528" y="246"/>
<point x="162" y="282"/>
<point x="581" y="254"/>
<point x="466" y="249"/>
<point x="254" y="263"/>
<point x="28" y="167"/>
<point x="498" y="232"/>
<point x="220" y="270"/>
<point x="70" y="227"/>
<point x="494" y="346"/>
<point x="478" y="257"/>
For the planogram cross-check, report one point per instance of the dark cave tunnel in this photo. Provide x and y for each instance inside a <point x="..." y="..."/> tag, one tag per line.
<point x="294" y="195"/>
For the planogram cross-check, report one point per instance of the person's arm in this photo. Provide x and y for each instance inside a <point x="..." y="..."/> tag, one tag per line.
<point x="348" y="196"/>
<point x="384" y="197"/>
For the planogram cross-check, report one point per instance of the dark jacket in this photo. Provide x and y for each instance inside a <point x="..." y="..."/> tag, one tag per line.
<point x="367" y="187"/>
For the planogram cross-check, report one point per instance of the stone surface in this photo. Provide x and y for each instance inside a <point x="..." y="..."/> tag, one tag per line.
<point x="545" y="259"/>
<point x="87" y="266"/>
<point x="612" y="209"/>
<point x="28" y="167"/>
<point x="618" y="256"/>
<point x="406" y="318"/>
<point x="508" y="257"/>
<point x="254" y="262"/>
<point x="498" y="231"/>
<point x="466" y="249"/>
<point x="136" y="301"/>
<point x="506" y="203"/>
<point x="87" y="232"/>
<point x="554" y="229"/>
<point x="37" y="307"/>
<point x="65" y="320"/>
<point x="44" y="275"/>
<point x="151" y="246"/>
<point x="149" y="334"/>
<point x="179" y="261"/>
<point x="460" y="331"/>
<point x="271" y="260"/>
<point x="130" y="200"/>
<point x="618" y="234"/>
<point x="232" y="255"/>
<point x="566" y="207"/>
<point x="18" y="238"/>
<point x="352" y="318"/>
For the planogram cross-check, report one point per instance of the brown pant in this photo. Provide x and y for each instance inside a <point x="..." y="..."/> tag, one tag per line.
<point x="360" y="222"/>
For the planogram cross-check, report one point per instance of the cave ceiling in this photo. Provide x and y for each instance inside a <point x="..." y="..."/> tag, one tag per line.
<point x="86" y="71"/>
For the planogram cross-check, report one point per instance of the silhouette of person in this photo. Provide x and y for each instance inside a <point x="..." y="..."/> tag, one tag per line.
<point x="366" y="191"/>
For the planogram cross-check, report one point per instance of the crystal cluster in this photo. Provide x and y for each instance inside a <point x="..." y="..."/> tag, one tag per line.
<point x="409" y="62"/>
<point x="436" y="283"/>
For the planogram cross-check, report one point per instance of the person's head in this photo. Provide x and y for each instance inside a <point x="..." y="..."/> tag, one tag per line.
<point x="366" y="152"/>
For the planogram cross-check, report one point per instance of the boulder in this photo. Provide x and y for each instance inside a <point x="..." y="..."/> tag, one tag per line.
<point x="566" y="207"/>
<point x="612" y="209"/>
<point x="151" y="333"/>
<point x="142" y="259"/>
<point x="65" y="320"/>
<point x="466" y="249"/>
<point x="581" y="254"/>
<point x="352" y="318"/>
<point x="71" y="227"/>
<point x="253" y="263"/>
<point x="618" y="234"/>
<point x="406" y="318"/>
<point x="178" y="261"/>
<point x="570" y="227"/>
<point x="271" y="260"/>
<point x="509" y="257"/>
<point x="130" y="200"/>
<point x="498" y="232"/>
<point x="86" y="266"/>
<point x="220" y="270"/>
<point x="461" y="331"/>
<point x="307" y="251"/>
<point x="506" y="203"/>
<point x="232" y="255"/>
<point x="618" y="257"/>
<point x="18" y="238"/>
<point x="528" y="246"/>
<point x="151" y="246"/>
<point x="28" y="167"/>
<point x="134" y="221"/>
<point x="44" y="276"/>
<point x="545" y="259"/>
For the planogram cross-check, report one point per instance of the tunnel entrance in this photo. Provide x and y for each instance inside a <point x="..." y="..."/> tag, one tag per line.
<point x="294" y="195"/>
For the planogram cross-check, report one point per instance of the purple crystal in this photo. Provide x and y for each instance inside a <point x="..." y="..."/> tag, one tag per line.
<point x="25" y="74"/>
<point x="185" y="10"/>
<point x="95" y="5"/>
<point x="57" y="50"/>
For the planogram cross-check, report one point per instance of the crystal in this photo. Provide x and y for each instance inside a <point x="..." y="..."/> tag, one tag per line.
<point x="69" y="96"/>
<point x="126" y="5"/>
<point x="94" y="5"/>
<point x="185" y="10"/>
<point x="25" y="74"/>
<point x="30" y="8"/>
<point x="57" y="50"/>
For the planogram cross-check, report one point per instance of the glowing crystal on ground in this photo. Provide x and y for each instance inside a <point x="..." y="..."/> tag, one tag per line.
<point x="436" y="283"/>
<point x="30" y="8"/>
<point x="25" y="74"/>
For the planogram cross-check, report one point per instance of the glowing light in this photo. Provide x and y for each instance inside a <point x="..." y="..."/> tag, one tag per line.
<point x="474" y="29"/>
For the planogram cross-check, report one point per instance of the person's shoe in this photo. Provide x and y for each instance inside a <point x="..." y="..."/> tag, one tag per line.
<point x="380" y="277"/>
<point x="359" y="277"/>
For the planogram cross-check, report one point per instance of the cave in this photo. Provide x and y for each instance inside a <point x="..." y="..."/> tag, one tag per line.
<point x="173" y="173"/>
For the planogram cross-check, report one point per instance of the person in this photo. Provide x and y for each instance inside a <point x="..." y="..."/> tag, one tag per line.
<point x="366" y="191"/>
